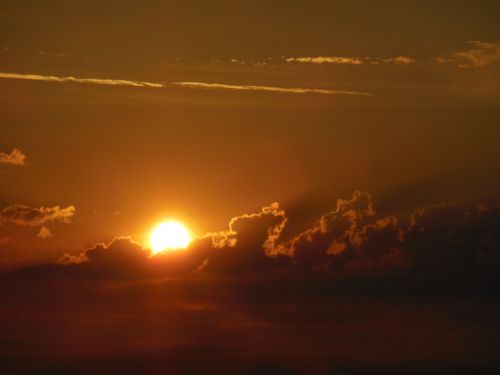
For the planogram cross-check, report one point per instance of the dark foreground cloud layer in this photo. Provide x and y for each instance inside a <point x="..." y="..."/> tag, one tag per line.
<point x="448" y="241"/>
<point x="216" y="326"/>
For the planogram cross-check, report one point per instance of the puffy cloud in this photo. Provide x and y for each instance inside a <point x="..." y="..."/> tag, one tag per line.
<point x="263" y="228"/>
<point x="477" y="54"/>
<point x="373" y="240"/>
<point x="246" y="247"/>
<point x="250" y="243"/>
<point x="330" y="237"/>
<point x="16" y="157"/>
<point x="378" y="247"/>
<point x="20" y="214"/>
<point x="44" y="233"/>
<point x="440" y="242"/>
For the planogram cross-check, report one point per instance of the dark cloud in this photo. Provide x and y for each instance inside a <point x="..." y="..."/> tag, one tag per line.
<point x="121" y="258"/>
<point x="430" y="233"/>
<point x="329" y="239"/>
<point x="451" y="238"/>
<point x="250" y="243"/>
<point x="352" y="60"/>
<point x="19" y="214"/>
<point x="446" y="241"/>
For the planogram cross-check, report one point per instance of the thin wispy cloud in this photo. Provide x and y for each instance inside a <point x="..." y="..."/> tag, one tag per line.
<point x="326" y="60"/>
<point x="398" y="60"/>
<point x="186" y="84"/>
<point x="95" y="81"/>
<point x="290" y="90"/>
<point x="477" y="54"/>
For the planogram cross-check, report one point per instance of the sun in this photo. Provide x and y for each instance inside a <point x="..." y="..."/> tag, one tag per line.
<point x="169" y="235"/>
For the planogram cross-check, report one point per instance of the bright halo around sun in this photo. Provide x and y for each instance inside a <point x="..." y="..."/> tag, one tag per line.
<point x="169" y="235"/>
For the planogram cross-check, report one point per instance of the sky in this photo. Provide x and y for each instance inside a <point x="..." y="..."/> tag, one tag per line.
<point x="409" y="114"/>
<point x="350" y="138"/>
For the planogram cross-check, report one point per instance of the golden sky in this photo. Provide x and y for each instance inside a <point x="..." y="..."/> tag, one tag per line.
<point x="203" y="111"/>
<point x="249" y="186"/>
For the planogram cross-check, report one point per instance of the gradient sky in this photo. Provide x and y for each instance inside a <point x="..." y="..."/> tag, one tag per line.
<point x="335" y="161"/>
<point x="223" y="107"/>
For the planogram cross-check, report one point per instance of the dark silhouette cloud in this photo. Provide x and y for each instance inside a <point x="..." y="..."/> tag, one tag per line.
<point x="250" y="243"/>
<point x="446" y="241"/>
<point x="330" y="237"/>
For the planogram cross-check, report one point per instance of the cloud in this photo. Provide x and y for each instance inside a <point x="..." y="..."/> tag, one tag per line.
<point x="245" y="248"/>
<point x="378" y="247"/>
<point x="121" y="258"/>
<point x="187" y="84"/>
<point x="120" y="251"/>
<point x="19" y="214"/>
<point x="67" y="259"/>
<point x="478" y="54"/>
<point x="398" y="60"/>
<point x="445" y="244"/>
<point x="327" y="60"/>
<point x="269" y="222"/>
<point x="44" y="233"/>
<point x="286" y="90"/>
<point x="95" y="81"/>
<point x="16" y="157"/>
<point x="450" y="238"/>
<point x="250" y="243"/>
<point x="329" y="238"/>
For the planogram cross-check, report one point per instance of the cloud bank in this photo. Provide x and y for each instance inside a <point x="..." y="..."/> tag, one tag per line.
<point x="446" y="240"/>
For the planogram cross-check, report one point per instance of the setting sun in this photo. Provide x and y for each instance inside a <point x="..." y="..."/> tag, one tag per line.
<point x="169" y="235"/>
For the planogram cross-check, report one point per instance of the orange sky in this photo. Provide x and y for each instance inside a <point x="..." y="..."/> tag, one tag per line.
<point x="205" y="112"/>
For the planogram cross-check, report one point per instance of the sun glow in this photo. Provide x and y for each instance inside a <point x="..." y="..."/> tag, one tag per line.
<point x="169" y="235"/>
